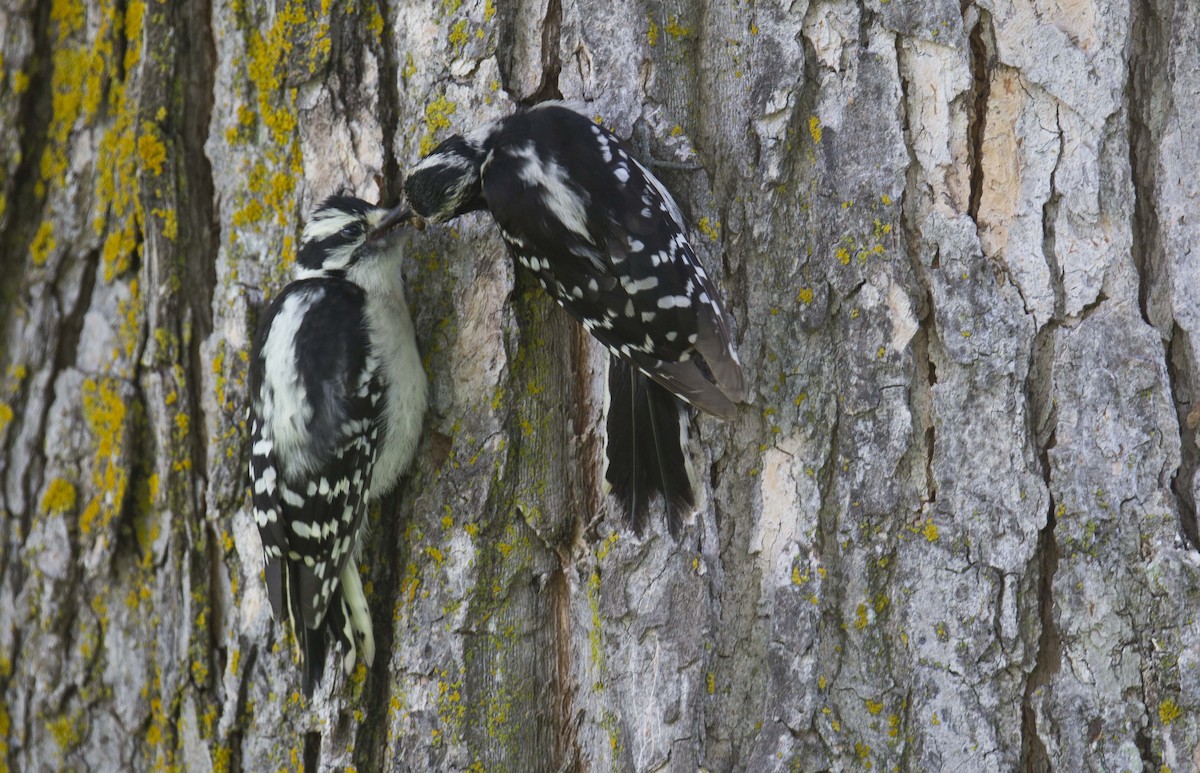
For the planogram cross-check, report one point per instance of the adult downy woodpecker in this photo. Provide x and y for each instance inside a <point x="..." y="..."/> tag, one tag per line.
<point x="337" y="397"/>
<point x="604" y="237"/>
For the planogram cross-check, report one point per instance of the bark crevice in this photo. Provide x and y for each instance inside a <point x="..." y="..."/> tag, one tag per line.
<point x="1047" y="658"/>
<point x="196" y="252"/>
<point x="551" y="55"/>
<point x="1147" y="75"/>
<point x="370" y="738"/>
<point x="1049" y="238"/>
<point x="24" y="206"/>
<point x="1148" y="103"/>
<point x="981" y="39"/>
<point x="1182" y="374"/>
<point x="392" y="186"/>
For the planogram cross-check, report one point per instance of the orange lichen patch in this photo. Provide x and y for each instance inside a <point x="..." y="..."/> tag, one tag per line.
<point x="71" y="87"/>
<point x="1169" y="711"/>
<point x="710" y="228"/>
<point x="458" y="33"/>
<point x="268" y="55"/>
<point x="120" y="153"/>
<point x="5" y="729"/>
<point x="170" y="222"/>
<point x="272" y="55"/>
<point x="43" y="243"/>
<point x="59" y="497"/>
<point x="437" y="117"/>
<point x="106" y="413"/>
<point x="135" y="16"/>
<point x="151" y="150"/>
<point x="130" y="313"/>
<point x="374" y="21"/>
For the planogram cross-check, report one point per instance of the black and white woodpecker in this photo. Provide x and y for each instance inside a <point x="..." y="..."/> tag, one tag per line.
<point x="337" y="397"/>
<point x="605" y="239"/>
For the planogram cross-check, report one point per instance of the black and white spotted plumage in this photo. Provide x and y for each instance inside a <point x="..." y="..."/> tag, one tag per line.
<point x="337" y="394"/>
<point x="607" y="241"/>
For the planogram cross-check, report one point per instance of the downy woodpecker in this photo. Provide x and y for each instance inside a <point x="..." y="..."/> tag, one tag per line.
<point x="337" y="397"/>
<point x="605" y="239"/>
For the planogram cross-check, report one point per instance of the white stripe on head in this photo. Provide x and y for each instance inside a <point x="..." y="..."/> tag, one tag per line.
<point x="443" y="159"/>
<point x="326" y="222"/>
<point x="442" y="182"/>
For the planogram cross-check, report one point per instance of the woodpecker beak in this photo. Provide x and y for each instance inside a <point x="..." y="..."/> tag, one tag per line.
<point x="393" y="220"/>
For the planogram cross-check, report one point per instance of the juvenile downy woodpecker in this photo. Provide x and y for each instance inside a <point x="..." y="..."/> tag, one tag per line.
<point x="605" y="239"/>
<point x="337" y="397"/>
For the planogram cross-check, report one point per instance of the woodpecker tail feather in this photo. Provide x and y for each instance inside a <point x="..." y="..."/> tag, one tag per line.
<point x="356" y="635"/>
<point x="347" y="619"/>
<point x="647" y="448"/>
<point x="313" y="660"/>
<point x="310" y="641"/>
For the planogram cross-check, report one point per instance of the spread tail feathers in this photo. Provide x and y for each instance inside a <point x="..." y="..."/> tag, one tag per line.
<point x="647" y="447"/>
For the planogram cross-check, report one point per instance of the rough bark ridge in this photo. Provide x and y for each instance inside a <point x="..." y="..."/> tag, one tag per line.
<point x="953" y="530"/>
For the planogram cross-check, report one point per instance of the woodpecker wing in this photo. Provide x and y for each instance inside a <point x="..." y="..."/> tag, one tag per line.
<point x="315" y="414"/>
<point x="605" y="239"/>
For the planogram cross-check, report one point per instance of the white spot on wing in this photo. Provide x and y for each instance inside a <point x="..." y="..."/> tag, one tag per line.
<point x="283" y="396"/>
<point x="641" y="285"/>
<point x="562" y="201"/>
<point x="672" y="207"/>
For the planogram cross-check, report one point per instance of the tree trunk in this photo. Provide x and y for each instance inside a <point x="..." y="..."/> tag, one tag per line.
<point x="954" y="529"/>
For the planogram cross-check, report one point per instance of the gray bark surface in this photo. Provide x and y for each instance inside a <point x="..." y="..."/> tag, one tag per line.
<point x="954" y="528"/>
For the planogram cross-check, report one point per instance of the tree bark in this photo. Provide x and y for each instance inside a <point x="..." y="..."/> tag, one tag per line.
<point x="955" y="527"/>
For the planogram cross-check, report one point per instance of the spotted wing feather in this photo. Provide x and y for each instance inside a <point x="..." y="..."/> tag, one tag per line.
<point x="612" y="250"/>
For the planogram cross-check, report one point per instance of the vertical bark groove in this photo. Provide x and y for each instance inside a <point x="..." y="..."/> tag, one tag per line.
<point x="24" y="207"/>
<point x="392" y="187"/>
<point x="982" y="58"/>
<point x="1046" y="658"/>
<point x="1049" y="243"/>
<point x="551" y="54"/>
<point x="194" y="65"/>
<point x="1184" y="377"/>
<point x="1147" y="70"/>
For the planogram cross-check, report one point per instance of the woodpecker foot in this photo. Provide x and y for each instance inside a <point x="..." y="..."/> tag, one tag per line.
<point x="641" y="141"/>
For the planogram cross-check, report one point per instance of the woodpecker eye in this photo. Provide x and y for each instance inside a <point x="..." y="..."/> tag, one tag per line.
<point x="351" y="231"/>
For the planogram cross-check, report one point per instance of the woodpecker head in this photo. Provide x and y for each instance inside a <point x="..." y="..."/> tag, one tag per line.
<point x="447" y="183"/>
<point x="346" y="234"/>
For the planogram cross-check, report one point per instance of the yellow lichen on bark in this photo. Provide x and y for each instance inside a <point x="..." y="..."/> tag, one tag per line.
<point x="105" y="411"/>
